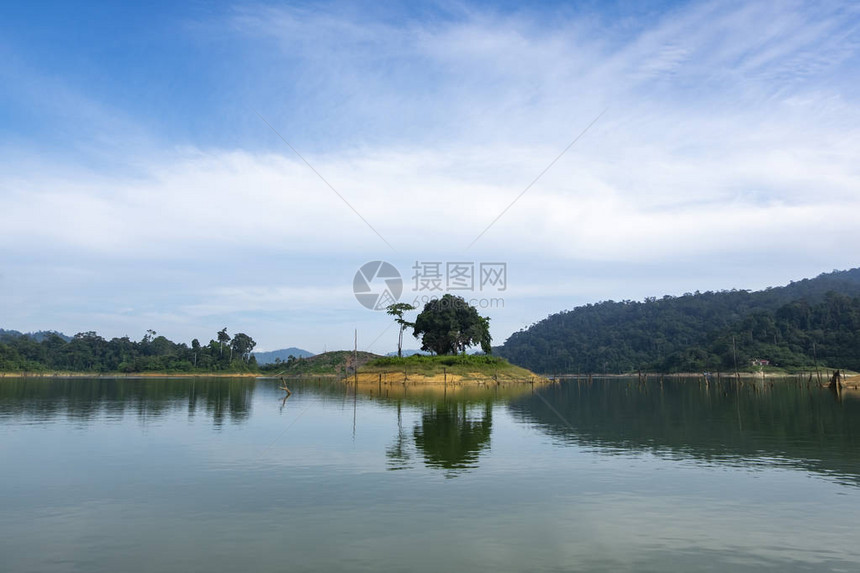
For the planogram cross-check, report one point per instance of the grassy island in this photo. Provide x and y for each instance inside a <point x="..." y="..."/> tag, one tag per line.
<point x="333" y="364"/>
<point x="460" y="369"/>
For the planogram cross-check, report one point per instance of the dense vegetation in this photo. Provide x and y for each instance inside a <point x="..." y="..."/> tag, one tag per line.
<point x="791" y="327"/>
<point x="89" y="352"/>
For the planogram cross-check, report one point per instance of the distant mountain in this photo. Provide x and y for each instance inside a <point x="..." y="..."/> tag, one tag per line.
<point x="283" y="354"/>
<point x="700" y="331"/>
<point x="38" y="336"/>
<point x="408" y="352"/>
<point x="336" y="362"/>
<point x="414" y="351"/>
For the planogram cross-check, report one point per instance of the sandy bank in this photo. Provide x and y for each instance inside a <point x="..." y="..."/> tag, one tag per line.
<point x="452" y="379"/>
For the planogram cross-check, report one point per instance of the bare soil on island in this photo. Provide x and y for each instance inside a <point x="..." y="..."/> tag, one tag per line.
<point x="444" y="371"/>
<point x="465" y="379"/>
<point x="421" y="391"/>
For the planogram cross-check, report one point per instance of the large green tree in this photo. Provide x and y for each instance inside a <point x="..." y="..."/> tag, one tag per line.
<point x="450" y="325"/>
<point x="243" y="345"/>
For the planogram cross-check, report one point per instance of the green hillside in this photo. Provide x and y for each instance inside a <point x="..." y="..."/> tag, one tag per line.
<point x="789" y="326"/>
<point x="335" y="363"/>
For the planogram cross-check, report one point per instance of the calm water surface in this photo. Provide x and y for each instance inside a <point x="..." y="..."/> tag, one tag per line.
<point x="223" y="475"/>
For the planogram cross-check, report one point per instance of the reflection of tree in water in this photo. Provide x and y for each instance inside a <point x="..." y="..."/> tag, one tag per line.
<point x="452" y="437"/>
<point x="83" y="399"/>
<point x="775" y="421"/>
<point x="227" y="400"/>
<point x="397" y="453"/>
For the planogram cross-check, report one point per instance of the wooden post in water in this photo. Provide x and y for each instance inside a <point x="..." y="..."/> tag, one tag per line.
<point x="355" y="360"/>
<point x="815" y="357"/>
<point x="735" y="354"/>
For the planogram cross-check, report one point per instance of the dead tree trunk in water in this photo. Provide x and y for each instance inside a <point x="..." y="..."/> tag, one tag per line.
<point x="835" y="381"/>
<point x="815" y="358"/>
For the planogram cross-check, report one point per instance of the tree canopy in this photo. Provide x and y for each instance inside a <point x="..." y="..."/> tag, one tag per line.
<point x="89" y="352"/>
<point x="450" y="325"/>
<point x="788" y="326"/>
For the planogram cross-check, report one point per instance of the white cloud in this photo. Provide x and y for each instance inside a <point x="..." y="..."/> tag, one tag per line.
<point x="731" y="130"/>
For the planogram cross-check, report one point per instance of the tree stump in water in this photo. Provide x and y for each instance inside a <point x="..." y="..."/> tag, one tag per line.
<point x="835" y="381"/>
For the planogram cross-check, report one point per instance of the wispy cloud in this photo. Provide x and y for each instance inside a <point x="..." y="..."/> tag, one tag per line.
<point x="732" y="131"/>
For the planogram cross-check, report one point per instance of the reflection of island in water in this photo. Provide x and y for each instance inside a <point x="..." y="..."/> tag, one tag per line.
<point x="449" y="429"/>
<point x="451" y="435"/>
<point x="455" y="424"/>
<point x="454" y="427"/>
<point x="773" y="423"/>
<point x="85" y="399"/>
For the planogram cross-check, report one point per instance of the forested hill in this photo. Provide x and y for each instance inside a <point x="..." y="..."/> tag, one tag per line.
<point x="89" y="352"/>
<point x="790" y="326"/>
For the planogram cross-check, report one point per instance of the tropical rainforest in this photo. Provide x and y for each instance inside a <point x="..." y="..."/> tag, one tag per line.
<point x="813" y="321"/>
<point x="89" y="352"/>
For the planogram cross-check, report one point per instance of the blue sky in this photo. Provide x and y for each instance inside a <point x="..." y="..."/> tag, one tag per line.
<point x="140" y="188"/>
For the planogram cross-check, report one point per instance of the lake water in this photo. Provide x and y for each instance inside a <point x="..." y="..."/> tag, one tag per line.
<point x="218" y="475"/>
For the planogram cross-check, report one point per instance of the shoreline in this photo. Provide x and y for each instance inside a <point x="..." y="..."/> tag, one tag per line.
<point x="109" y="376"/>
<point x="399" y="378"/>
<point x="394" y="377"/>
<point x="825" y="375"/>
<point x="473" y="390"/>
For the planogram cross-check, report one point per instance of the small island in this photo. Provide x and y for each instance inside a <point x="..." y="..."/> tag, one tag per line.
<point x="447" y="327"/>
<point x="456" y="370"/>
